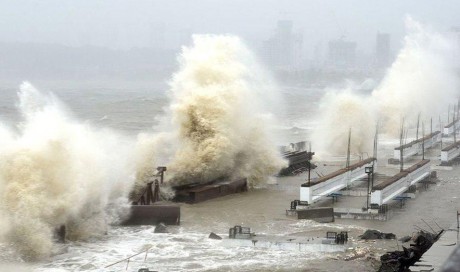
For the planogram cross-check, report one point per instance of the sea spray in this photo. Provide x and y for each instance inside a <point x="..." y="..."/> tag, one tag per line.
<point x="219" y="125"/>
<point x="422" y="79"/>
<point x="341" y="111"/>
<point x="56" y="171"/>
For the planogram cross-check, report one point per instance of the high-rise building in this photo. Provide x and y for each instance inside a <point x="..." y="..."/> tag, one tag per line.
<point x="342" y="54"/>
<point x="284" y="48"/>
<point x="382" y="50"/>
<point x="456" y="37"/>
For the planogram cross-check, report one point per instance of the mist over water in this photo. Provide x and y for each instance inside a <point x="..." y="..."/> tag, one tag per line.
<point x="218" y="124"/>
<point x="57" y="171"/>
<point x="422" y="79"/>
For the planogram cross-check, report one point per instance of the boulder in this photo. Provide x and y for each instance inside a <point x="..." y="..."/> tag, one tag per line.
<point x="405" y="239"/>
<point x="214" y="236"/>
<point x="375" y="234"/>
<point x="161" y="228"/>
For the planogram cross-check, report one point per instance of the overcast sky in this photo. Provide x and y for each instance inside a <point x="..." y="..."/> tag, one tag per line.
<point x="129" y="23"/>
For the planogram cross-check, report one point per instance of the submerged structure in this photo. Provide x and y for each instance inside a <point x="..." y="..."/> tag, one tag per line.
<point x="298" y="158"/>
<point x="242" y="236"/>
<point x="147" y="209"/>
<point x="194" y="193"/>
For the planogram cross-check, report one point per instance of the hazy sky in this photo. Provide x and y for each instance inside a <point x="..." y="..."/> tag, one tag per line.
<point x="129" y="23"/>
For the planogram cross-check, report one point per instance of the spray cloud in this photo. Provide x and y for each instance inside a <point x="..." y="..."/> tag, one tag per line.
<point x="219" y="126"/>
<point x="55" y="171"/>
<point x="422" y="79"/>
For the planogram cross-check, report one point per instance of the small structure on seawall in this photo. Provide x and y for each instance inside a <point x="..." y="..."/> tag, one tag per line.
<point x="147" y="209"/>
<point x="196" y="192"/>
<point x="298" y="159"/>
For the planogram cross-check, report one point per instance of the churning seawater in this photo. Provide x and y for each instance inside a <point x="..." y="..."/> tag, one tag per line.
<point x="186" y="247"/>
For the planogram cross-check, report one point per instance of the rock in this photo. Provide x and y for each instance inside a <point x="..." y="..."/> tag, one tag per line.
<point x="405" y="239"/>
<point x="375" y="234"/>
<point x="161" y="228"/>
<point x="87" y="266"/>
<point x="401" y="260"/>
<point x="214" y="236"/>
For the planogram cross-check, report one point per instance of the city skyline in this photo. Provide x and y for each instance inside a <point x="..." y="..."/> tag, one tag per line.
<point x="126" y="25"/>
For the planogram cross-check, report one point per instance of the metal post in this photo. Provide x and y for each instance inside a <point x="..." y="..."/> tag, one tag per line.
<point x="448" y="114"/>
<point x="458" y="221"/>
<point x="161" y="170"/>
<point x="368" y="185"/>
<point x="401" y="143"/>
<point x="418" y="123"/>
<point x="372" y="180"/>
<point x="309" y="164"/>
<point x="348" y="151"/>
<point x="368" y="170"/>
<point x="431" y="126"/>
<point x="423" y="141"/>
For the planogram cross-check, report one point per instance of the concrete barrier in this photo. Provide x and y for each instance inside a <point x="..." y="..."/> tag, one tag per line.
<point x="320" y="214"/>
<point x="167" y="213"/>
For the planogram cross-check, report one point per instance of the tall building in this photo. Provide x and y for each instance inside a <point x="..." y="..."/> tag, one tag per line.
<point x="382" y="50"/>
<point x="342" y="54"/>
<point x="284" y="48"/>
<point x="456" y="37"/>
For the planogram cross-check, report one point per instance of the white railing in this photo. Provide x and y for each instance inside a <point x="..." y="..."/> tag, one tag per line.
<point x="416" y="147"/>
<point x="382" y="195"/>
<point x="408" y="151"/>
<point x="339" y="180"/>
<point x="449" y="153"/>
<point x="419" y="174"/>
<point x="449" y="129"/>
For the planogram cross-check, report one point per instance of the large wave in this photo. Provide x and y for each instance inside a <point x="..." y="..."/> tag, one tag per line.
<point x="219" y="126"/>
<point x="57" y="171"/>
<point x="422" y="80"/>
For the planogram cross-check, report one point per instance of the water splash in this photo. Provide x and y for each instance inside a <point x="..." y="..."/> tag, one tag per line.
<point x="57" y="171"/>
<point x="423" y="79"/>
<point x="218" y="123"/>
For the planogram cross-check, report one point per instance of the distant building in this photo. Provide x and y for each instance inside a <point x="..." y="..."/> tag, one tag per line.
<point x="456" y="36"/>
<point x="382" y="50"/>
<point x="284" y="48"/>
<point x="342" y="54"/>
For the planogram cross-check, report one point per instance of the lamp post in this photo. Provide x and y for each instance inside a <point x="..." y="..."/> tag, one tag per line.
<point x="161" y="171"/>
<point x="369" y="170"/>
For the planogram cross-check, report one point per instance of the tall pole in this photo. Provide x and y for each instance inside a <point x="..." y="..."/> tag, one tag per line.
<point x="423" y="141"/>
<point x="455" y="128"/>
<point x="418" y="124"/>
<point x="376" y="140"/>
<point x="309" y="164"/>
<point x="431" y="126"/>
<point x="368" y="185"/>
<point x="348" y="151"/>
<point x="448" y="114"/>
<point x="401" y="147"/>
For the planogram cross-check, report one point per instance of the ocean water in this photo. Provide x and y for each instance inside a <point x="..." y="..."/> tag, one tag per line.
<point x="186" y="247"/>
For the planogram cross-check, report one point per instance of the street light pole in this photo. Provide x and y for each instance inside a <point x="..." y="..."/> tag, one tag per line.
<point x="369" y="170"/>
